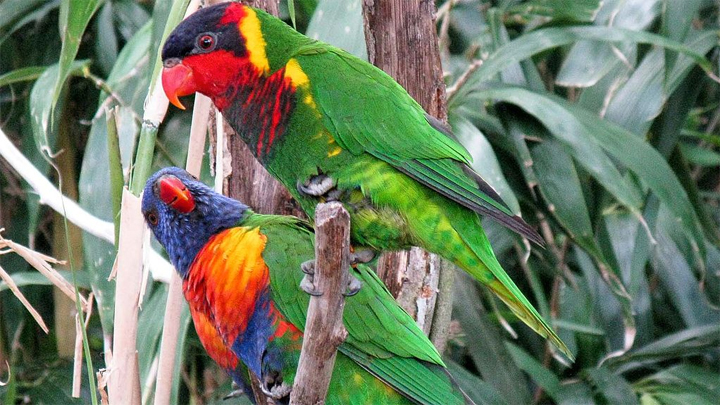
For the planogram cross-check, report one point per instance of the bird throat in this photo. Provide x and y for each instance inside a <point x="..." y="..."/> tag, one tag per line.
<point x="258" y="108"/>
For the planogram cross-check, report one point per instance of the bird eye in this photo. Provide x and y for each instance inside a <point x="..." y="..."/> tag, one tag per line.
<point x="206" y="42"/>
<point x="152" y="218"/>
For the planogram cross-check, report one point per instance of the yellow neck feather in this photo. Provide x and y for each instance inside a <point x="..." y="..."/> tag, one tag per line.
<point x="254" y="40"/>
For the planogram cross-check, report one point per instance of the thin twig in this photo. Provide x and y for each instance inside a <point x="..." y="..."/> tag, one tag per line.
<point x="40" y="262"/>
<point x="77" y="358"/>
<point x="16" y="291"/>
<point x="463" y="78"/>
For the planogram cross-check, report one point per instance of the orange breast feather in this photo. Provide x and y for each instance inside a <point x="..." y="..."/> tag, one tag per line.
<point x="223" y="285"/>
<point x="213" y="342"/>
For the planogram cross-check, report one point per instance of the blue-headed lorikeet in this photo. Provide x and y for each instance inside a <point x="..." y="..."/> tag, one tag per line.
<point x="241" y="273"/>
<point x="330" y="126"/>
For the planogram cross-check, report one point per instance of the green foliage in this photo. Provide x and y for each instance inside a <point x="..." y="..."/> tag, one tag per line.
<point x="597" y="120"/>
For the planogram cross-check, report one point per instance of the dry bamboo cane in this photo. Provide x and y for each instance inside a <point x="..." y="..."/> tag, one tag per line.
<point x="173" y="306"/>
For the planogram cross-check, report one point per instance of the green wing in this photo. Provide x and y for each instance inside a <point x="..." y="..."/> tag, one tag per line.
<point x="382" y="337"/>
<point x="388" y="124"/>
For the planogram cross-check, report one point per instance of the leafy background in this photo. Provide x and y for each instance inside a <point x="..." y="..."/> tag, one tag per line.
<point x="597" y="120"/>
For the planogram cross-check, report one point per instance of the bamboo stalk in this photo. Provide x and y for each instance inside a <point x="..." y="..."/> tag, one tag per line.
<point x="173" y="306"/>
<point x="124" y="377"/>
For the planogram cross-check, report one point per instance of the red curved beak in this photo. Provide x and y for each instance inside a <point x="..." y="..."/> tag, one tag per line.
<point x="178" y="81"/>
<point x="175" y="194"/>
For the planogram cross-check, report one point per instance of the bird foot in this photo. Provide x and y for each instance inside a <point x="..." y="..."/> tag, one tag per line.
<point x="353" y="287"/>
<point x="317" y="186"/>
<point x="273" y="386"/>
<point x="236" y="392"/>
<point x="361" y="255"/>
<point x="308" y="283"/>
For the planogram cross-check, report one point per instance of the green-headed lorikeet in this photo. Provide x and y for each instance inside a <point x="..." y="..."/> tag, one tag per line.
<point x="241" y="273"/>
<point x="331" y="126"/>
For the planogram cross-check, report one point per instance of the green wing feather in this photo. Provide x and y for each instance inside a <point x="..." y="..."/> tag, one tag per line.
<point x="382" y="337"/>
<point x="404" y="372"/>
<point x="388" y="124"/>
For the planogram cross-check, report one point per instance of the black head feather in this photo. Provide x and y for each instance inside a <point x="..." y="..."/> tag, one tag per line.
<point x="183" y="41"/>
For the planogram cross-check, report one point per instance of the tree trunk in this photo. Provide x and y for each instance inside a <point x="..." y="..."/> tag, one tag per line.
<point x="402" y="40"/>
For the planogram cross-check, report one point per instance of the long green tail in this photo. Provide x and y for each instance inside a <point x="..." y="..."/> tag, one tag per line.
<point x="474" y="254"/>
<point x="437" y="224"/>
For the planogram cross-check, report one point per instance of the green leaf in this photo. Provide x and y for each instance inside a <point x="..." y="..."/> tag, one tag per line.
<point x="42" y="106"/>
<point x="575" y="393"/>
<point x="74" y="18"/>
<point x="678" y="18"/>
<point x="106" y="43"/>
<point x="580" y="328"/>
<point x="605" y="285"/>
<point x="539" y="373"/>
<point x="478" y="390"/>
<point x="577" y="11"/>
<point x="629" y="243"/>
<point x="579" y="143"/>
<point x="491" y="357"/>
<point x="22" y="75"/>
<point x="180" y="354"/>
<point x="11" y="10"/>
<point x="675" y="274"/>
<point x="611" y="388"/>
<point x="572" y="125"/>
<point x="589" y="61"/>
<point x="150" y="326"/>
<point x="531" y="44"/>
<point x="116" y="170"/>
<point x="688" y="342"/>
<point x="339" y="23"/>
<point x="26" y="278"/>
<point x="164" y="20"/>
<point x="701" y="156"/>
<point x="638" y="101"/>
<point x="291" y="11"/>
<point x="682" y="384"/>
<point x="484" y="160"/>
<point x="560" y="186"/>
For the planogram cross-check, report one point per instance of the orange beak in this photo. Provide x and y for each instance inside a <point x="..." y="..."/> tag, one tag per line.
<point x="174" y="193"/>
<point x="178" y="81"/>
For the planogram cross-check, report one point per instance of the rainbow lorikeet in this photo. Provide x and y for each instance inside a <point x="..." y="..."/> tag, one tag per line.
<point x="330" y="126"/>
<point x="241" y="273"/>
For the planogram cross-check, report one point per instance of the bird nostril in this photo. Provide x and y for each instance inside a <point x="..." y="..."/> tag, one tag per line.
<point x="168" y="63"/>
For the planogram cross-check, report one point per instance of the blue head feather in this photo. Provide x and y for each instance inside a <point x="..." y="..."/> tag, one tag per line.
<point x="184" y="234"/>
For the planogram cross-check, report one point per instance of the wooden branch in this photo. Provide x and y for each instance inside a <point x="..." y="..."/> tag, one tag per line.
<point x="324" y="329"/>
<point x="402" y="40"/>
